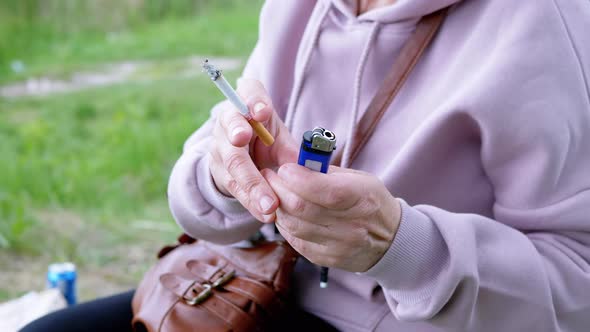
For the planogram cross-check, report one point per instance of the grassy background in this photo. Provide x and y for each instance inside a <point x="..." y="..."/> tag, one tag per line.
<point x="58" y="36"/>
<point x="83" y="175"/>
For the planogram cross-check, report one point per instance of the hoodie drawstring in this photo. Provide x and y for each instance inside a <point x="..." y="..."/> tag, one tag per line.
<point x="356" y="100"/>
<point x="306" y="60"/>
<point x="298" y="84"/>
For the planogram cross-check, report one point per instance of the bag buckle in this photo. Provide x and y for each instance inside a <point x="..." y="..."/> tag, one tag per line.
<point x="224" y="279"/>
<point x="201" y="297"/>
<point x="208" y="288"/>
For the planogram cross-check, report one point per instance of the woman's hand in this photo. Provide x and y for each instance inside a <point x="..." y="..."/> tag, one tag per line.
<point x="345" y="219"/>
<point x="237" y="155"/>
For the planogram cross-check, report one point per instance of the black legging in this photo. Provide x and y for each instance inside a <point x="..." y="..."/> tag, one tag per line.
<point x="111" y="313"/>
<point x="114" y="314"/>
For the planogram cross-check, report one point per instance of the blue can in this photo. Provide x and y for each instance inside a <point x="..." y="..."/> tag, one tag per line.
<point x="63" y="277"/>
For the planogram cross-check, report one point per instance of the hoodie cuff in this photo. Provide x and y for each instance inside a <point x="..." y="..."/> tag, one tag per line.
<point x="414" y="260"/>
<point x="227" y="205"/>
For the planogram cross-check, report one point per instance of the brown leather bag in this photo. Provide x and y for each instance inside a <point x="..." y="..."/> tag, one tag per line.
<point x="200" y="286"/>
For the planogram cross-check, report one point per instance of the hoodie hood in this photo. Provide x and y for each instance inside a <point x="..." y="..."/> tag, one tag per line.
<point x="401" y="10"/>
<point x="402" y="13"/>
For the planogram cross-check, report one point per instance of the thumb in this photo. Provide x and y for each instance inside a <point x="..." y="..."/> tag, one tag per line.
<point x="336" y="169"/>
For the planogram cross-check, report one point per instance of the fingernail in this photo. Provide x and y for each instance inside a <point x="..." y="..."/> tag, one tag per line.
<point x="266" y="203"/>
<point x="237" y="131"/>
<point x="259" y="106"/>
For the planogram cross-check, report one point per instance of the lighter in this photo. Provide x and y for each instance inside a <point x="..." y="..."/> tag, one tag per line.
<point x="315" y="153"/>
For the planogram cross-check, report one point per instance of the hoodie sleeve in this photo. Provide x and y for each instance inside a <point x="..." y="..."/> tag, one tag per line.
<point x="528" y="267"/>
<point x="196" y="204"/>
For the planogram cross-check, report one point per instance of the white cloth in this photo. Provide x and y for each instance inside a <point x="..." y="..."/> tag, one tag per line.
<point x="17" y="313"/>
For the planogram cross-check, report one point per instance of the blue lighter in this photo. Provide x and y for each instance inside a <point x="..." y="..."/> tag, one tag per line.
<point x="316" y="149"/>
<point x="315" y="153"/>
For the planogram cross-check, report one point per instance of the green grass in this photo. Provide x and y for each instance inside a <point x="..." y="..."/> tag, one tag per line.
<point x="103" y="152"/>
<point x="83" y="175"/>
<point x="217" y="28"/>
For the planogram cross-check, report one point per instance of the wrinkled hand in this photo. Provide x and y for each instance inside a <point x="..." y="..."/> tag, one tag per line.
<point x="345" y="219"/>
<point x="237" y="154"/>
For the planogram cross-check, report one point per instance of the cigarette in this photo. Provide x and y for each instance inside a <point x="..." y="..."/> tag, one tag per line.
<point x="231" y="95"/>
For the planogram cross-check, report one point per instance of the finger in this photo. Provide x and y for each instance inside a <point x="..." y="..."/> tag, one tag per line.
<point x="302" y="246"/>
<point x="321" y="230"/>
<point x="247" y="177"/>
<point x="286" y="149"/>
<point x="338" y="190"/>
<point x="256" y="98"/>
<point x="292" y="203"/>
<point x="303" y="229"/>
<point x="220" y="176"/>
<point x="316" y="253"/>
<point x="224" y="180"/>
<point x="235" y="127"/>
<point x="227" y="185"/>
<point x="335" y="169"/>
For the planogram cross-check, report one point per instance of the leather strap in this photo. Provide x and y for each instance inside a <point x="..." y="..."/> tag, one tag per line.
<point x="255" y="291"/>
<point x="409" y="56"/>
<point x="203" y="270"/>
<point x="259" y="293"/>
<point x="236" y="318"/>
<point x="176" y="284"/>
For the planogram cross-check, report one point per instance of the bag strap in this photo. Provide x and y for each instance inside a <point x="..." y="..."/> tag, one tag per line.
<point x="407" y="59"/>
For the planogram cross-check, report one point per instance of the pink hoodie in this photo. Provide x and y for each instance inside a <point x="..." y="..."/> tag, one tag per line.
<point x="487" y="146"/>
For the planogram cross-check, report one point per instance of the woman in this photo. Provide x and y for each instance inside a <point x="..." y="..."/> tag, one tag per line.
<point x="470" y="207"/>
